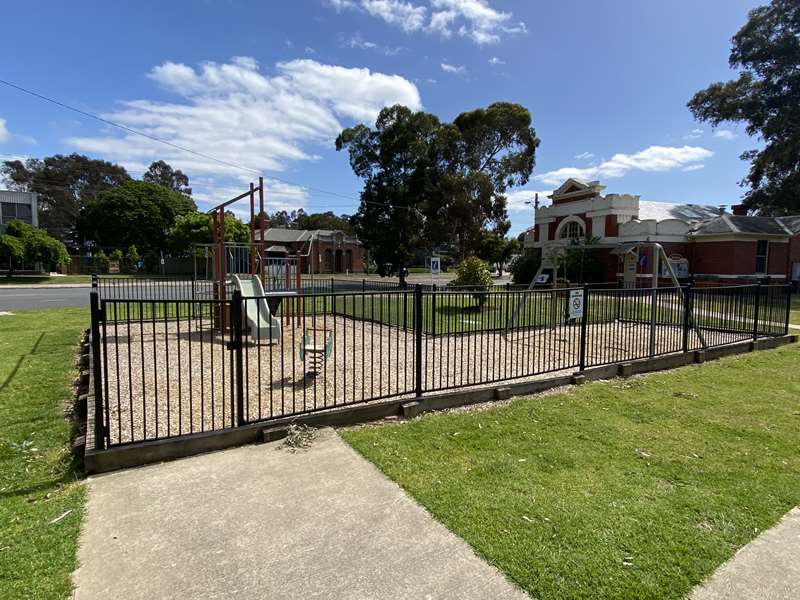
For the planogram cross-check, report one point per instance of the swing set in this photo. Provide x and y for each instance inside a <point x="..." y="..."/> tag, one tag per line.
<point x="628" y="253"/>
<point x="252" y="271"/>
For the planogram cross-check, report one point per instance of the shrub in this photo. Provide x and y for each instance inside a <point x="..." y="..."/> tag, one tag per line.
<point x="11" y="252"/>
<point x="474" y="274"/>
<point x="524" y="267"/>
<point x="101" y="262"/>
<point x="37" y="246"/>
<point x="131" y="261"/>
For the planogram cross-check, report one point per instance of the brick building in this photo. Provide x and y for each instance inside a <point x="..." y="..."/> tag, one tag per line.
<point x="327" y="251"/>
<point x="703" y="242"/>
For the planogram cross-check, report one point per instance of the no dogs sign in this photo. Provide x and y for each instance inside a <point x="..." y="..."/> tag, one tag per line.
<point x="575" y="304"/>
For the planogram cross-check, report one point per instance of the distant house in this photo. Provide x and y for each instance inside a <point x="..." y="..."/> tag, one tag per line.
<point x="703" y="242"/>
<point x="18" y="205"/>
<point x="327" y="250"/>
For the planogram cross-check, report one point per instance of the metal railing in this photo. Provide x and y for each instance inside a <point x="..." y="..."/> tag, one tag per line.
<point x="170" y="366"/>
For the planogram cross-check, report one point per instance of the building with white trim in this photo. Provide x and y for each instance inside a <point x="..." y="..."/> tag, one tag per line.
<point x="703" y="242"/>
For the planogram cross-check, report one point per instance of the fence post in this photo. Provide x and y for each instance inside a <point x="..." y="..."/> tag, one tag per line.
<point x="96" y="316"/>
<point x="433" y="311"/>
<point x="418" y="338"/>
<point x="687" y="312"/>
<point x="788" y="309"/>
<point x="653" y="302"/>
<point x="363" y="285"/>
<point x="584" y="325"/>
<point x="236" y="347"/>
<point x="756" y="311"/>
<point x="333" y="286"/>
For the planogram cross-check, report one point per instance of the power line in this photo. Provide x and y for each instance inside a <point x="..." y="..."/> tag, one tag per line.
<point x="189" y="150"/>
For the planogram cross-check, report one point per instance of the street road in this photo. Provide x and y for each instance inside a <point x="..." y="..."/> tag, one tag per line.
<point x="17" y="298"/>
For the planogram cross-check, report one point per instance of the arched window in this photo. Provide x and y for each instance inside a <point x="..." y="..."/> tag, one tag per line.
<point x="328" y="261"/>
<point x="572" y="231"/>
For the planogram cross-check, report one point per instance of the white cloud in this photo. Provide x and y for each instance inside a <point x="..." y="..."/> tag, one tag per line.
<point x="479" y="21"/>
<point x="654" y="158"/>
<point x="4" y="135"/>
<point x="494" y="61"/>
<point x="693" y="134"/>
<point x="584" y="156"/>
<point x="457" y="69"/>
<point x="358" y="42"/>
<point x="696" y="167"/>
<point x="724" y="134"/>
<point x="235" y="113"/>
<point x="396" y="12"/>
<point x="473" y="19"/>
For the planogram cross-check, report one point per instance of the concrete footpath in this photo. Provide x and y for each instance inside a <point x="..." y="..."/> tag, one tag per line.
<point x="768" y="568"/>
<point x="264" y="522"/>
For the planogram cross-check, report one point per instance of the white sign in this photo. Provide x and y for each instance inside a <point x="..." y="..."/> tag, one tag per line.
<point x="629" y="270"/>
<point x="575" y="304"/>
<point x="679" y="264"/>
<point x="542" y="278"/>
<point x="435" y="265"/>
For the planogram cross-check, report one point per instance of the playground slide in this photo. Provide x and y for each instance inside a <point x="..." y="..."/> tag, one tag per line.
<point x="260" y="322"/>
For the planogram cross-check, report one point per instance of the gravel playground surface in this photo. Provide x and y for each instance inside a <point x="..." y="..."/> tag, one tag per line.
<point x="168" y="378"/>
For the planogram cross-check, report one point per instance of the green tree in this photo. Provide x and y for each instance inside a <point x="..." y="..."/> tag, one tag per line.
<point x="163" y="174"/>
<point x="498" y="250"/>
<point x="12" y="252"/>
<point x="37" y="245"/>
<point x="765" y="97"/>
<point x="326" y="220"/>
<point x="495" y="149"/>
<point x="192" y="229"/>
<point x="135" y="212"/>
<point x="65" y="185"/>
<point x="397" y="160"/>
<point x="428" y="183"/>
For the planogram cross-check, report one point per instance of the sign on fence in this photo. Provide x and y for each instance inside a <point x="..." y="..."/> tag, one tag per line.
<point x="575" y="304"/>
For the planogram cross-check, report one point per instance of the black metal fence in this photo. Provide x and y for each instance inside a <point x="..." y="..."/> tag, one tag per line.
<point x="169" y="362"/>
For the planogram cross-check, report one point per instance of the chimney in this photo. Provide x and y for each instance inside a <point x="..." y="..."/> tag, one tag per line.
<point x="740" y="210"/>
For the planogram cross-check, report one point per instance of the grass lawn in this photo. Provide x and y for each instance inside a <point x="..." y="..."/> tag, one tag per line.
<point x="794" y="314"/>
<point x="38" y="481"/>
<point x="44" y="279"/>
<point x="633" y="488"/>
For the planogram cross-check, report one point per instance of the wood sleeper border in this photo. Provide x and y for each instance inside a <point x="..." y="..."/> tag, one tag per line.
<point x="152" y="451"/>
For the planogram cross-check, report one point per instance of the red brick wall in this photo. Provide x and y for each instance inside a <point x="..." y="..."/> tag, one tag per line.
<point x="612" y="226"/>
<point x="778" y="253"/>
<point x="735" y="258"/>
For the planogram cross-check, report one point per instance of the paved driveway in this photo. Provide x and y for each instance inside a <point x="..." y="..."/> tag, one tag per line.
<point x="262" y="522"/>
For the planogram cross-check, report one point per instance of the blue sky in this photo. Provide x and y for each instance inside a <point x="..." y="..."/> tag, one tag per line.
<point x="267" y="85"/>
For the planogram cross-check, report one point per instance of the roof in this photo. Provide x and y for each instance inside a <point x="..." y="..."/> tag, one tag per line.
<point x="279" y="235"/>
<point x="744" y="224"/>
<point x="659" y="211"/>
<point x="791" y="223"/>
